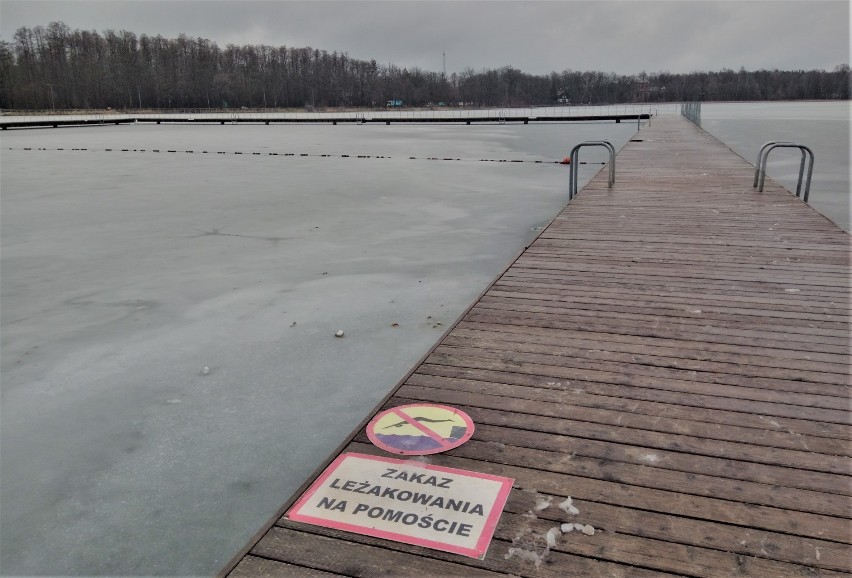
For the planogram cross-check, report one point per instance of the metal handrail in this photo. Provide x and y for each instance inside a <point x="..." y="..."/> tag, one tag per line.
<point x="763" y="156"/>
<point x="575" y="161"/>
<point x="692" y="111"/>
<point x="652" y="114"/>
<point x="760" y="157"/>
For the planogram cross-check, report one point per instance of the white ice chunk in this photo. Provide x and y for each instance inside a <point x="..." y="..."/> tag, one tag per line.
<point x="551" y="536"/>
<point x="568" y="507"/>
<point x="524" y="555"/>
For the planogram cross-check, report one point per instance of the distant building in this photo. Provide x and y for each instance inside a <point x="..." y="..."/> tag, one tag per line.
<point x="644" y="91"/>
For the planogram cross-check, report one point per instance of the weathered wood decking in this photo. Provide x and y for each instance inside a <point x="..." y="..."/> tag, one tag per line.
<point x="673" y="355"/>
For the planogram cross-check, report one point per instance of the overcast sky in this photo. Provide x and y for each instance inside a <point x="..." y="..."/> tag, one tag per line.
<point x="537" y="37"/>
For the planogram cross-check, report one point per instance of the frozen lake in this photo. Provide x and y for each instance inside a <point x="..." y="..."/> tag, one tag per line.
<point x="125" y="274"/>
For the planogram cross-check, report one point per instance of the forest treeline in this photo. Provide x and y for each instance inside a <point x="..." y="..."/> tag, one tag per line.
<point x="54" y="67"/>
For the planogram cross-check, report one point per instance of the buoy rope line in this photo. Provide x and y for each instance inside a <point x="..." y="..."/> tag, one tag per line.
<point x="268" y="154"/>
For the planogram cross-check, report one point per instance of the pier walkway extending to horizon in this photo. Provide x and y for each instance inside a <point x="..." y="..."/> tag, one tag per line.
<point x="672" y="354"/>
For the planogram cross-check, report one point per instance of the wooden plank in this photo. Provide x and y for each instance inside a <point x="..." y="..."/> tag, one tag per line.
<point x="502" y="560"/>
<point x="596" y="235"/>
<point x="655" y="330"/>
<point x="344" y="557"/>
<point x="822" y="373"/>
<point x="666" y="278"/>
<point x="681" y="316"/>
<point x="640" y="555"/>
<point x="680" y="272"/>
<point x="547" y="481"/>
<point x="659" y="555"/>
<point x="668" y="253"/>
<point x="255" y="567"/>
<point x="769" y="356"/>
<point x="703" y="537"/>
<point x="644" y="376"/>
<point x="629" y="285"/>
<point x="677" y="305"/>
<point x="574" y="445"/>
<point x="552" y="452"/>
<point x="644" y="432"/>
<point x="600" y="394"/>
<point x="801" y="337"/>
<point x="575" y="394"/>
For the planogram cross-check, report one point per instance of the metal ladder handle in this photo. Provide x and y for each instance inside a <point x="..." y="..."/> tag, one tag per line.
<point x="801" y="172"/>
<point x="575" y="162"/>
<point x="611" y="148"/>
<point x="805" y="151"/>
<point x="760" y="157"/>
<point x="575" y="156"/>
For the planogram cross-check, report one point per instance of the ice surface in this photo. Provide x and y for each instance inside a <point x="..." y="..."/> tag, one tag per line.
<point x="170" y="372"/>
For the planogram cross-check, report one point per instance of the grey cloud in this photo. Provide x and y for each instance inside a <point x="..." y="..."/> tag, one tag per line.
<point x="537" y="37"/>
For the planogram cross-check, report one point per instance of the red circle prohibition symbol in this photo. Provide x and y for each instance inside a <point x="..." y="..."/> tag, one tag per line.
<point x="420" y="429"/>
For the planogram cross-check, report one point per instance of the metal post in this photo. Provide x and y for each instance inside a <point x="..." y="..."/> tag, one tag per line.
<point x="52" y="103"/>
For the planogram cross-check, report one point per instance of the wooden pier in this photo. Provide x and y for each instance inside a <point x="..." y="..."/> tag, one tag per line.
<point x="375" y="117"/>
<point x="671" y="353"/>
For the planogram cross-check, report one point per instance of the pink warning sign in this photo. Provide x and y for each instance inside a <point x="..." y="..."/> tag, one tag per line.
<point x="406" y="501"/>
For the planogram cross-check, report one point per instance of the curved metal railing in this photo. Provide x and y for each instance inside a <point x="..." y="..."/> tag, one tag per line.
<point x="575" y="161"/>
<point x="763" y="156"/>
